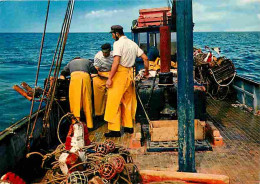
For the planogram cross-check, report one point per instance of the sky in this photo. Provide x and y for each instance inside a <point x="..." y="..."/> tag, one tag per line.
<point x="99" y="15"/>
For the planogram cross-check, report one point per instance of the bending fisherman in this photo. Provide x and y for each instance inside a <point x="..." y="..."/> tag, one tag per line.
<point x="121" y="98"/>
<point x="103" y="61"/>
<point x="80" y="88"/>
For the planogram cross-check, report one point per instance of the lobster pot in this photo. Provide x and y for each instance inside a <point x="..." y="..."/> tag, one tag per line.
<point x="222" y="73"/>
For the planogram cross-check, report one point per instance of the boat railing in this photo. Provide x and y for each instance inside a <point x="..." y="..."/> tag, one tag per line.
<point x="248" y="92"/>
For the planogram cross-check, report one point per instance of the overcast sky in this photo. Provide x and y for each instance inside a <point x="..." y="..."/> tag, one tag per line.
<point x="99" y="15"/>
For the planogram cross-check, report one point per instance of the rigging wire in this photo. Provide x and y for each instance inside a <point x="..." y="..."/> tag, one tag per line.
<point x="46" y="85"/>
<point x="48" y="78"/>
<point x="61" y="46"/>
<point x="59" y="60"/>
<point x="37" y="75"/>
<point x="169" y="3"/>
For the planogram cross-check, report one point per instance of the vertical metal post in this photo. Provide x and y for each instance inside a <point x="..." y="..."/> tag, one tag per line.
<point x="243" y="93"/>
<point x="257" y="94"/>
<point x="164" y="19"/>
<point x="185" y="86"/>
<point x="148" y="41"/>
<point x="254" y="99"/>
<point x="165" y="48"/>
<point x="136" y="38"/>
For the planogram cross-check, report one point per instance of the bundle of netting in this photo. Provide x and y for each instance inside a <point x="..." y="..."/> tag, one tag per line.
<point x="104" y="162"/>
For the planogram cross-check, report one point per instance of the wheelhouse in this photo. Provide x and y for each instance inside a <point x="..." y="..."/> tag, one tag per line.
<point x="146" y="29"/>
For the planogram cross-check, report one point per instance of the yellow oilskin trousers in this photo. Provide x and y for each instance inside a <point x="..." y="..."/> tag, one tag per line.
<point x="99" y="88"/>
<point x="121" y="100"/>
<point x="80" y="96"/>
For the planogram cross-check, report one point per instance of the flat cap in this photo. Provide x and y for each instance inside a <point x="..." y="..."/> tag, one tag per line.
<point x="115" y="28"/>
<point x="106" y="47"/>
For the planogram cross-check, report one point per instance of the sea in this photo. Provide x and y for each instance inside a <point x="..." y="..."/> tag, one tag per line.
<point x="19" y="54"/>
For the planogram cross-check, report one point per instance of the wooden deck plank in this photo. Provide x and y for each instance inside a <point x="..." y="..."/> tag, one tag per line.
<point x="238" y="158"/>
<point x="240" y="130"/>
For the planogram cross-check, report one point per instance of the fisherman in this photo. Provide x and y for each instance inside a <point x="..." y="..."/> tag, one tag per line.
<point x="103" y="61"/>
<point x="121" y="100"/>
<point x="80" y="88"/>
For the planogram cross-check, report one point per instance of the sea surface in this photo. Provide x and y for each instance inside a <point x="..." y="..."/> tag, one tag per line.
<point x="19" y="53"/>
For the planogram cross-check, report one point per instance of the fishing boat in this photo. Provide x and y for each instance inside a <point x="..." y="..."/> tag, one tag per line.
<point x="186" y="131"/>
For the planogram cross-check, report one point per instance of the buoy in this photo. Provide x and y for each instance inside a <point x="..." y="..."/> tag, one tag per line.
<point x="11" y="178"/>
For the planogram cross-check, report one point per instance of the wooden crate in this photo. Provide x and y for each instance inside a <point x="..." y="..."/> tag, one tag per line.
<point x="167" y="130"/>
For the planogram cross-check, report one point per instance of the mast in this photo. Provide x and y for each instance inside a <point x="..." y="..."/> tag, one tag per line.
<point x="185" y="91"/>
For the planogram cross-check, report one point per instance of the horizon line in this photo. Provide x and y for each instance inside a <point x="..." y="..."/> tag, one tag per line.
<point x="130" y="32"/>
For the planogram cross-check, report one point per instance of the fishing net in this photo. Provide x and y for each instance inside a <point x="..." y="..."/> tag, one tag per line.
<point x="98" y="162"/>
<point x="77" y="178"/>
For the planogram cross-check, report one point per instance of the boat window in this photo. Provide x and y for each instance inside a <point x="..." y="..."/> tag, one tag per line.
<point x="152" y="39"/>
<point x="173" y="42"/>
<point x="143" y="41"/>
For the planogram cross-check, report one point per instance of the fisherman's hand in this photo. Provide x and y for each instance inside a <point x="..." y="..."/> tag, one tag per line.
<point x="146" y="74"/>
<point x="93" y="75"/>
<point x="109" y="83"/>
<point x="62" y="77"/>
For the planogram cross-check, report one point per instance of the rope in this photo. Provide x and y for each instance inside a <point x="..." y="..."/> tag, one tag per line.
<point x="61" y="108"/>
<point x="217" y="92"/>
<point x="92" y="161"/>
<point x="34" y="153"/>
<point x="147" y="117"/>
<point x="223" y="85"/>
<point x="152" y="90"/>
<point x="37" y="76"/>
<point x="58" y="127"/>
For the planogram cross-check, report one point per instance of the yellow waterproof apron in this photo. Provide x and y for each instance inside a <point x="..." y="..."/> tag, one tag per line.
<point x="99" y="88"/>
<point x="121" y="100"/>
<point x="80" y="96"/>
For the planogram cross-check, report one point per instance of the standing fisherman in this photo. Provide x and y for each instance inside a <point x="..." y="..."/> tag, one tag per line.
<point x="103" y="61"/>
<point x="80" y="88"/>
<point x="121" y="99"/>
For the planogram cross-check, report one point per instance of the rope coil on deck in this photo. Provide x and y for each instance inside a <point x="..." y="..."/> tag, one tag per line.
<point x="120" y="162"/>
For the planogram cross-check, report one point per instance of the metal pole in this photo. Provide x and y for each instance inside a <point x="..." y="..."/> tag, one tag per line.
<point x="136" y="38"/>
<point x="185" y="86"/>
<point x="165" y="48"/>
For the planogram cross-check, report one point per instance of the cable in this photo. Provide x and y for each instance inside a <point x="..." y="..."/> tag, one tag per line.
<point x="46" y="84"/>
<point x="147" y="117"/>
<point x="37" y="76"/>
<point x="152" y="90"/>
<point x="61" y="45"/>
<point x="59" y="60"/>
<point x="46" y="116"/>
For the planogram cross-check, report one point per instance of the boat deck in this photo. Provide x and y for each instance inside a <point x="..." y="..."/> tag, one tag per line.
<point x="238" y="158"/>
